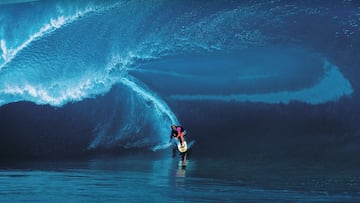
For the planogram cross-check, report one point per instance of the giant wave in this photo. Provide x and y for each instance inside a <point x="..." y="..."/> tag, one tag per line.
<point x="63" y="53"/>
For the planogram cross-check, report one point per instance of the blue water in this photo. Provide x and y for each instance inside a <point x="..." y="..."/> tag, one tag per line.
<point x="267" y="91"/>
<point x="136" y="179"/>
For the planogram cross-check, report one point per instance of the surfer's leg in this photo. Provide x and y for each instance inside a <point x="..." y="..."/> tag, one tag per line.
<point x="174" y="151"/>
<point x="183" y="156"/>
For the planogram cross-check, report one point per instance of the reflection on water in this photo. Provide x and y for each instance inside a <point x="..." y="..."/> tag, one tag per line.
<point x="139" y="179"/>
<point x="181" y="172"/>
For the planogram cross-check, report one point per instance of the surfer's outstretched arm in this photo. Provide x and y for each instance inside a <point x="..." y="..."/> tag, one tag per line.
<point x="171" y="136"/>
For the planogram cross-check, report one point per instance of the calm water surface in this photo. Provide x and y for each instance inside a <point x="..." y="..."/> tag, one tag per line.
<point x="161" y="179"/>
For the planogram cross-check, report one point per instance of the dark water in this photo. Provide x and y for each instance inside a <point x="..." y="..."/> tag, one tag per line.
<point x="159" y="178"/>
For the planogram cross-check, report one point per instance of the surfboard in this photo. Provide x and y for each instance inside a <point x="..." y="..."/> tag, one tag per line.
<point x="182" y="148"/>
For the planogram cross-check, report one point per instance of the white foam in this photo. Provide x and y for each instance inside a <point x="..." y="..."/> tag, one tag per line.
<point x="160" y="105"/>
<point x="3" y="49"/>
<point x="54" y="95"/>
<point x="57" y="23"/>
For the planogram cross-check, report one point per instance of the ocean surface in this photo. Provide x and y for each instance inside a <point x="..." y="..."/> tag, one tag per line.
<point x="268" y="92"/>
<point x="139" y="178"/>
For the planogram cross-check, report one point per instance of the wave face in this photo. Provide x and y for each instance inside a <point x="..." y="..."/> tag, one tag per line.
<point x="133" y="60"/>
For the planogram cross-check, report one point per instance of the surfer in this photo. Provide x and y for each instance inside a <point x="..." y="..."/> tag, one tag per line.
<point x="178" y="132"/>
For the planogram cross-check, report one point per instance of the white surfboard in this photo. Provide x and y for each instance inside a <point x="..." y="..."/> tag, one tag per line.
<point x="182" y="147"/>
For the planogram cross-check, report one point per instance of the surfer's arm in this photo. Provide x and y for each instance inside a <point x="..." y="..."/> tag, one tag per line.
<point x="182" y="137"/>
<point x="171" y="136"/>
